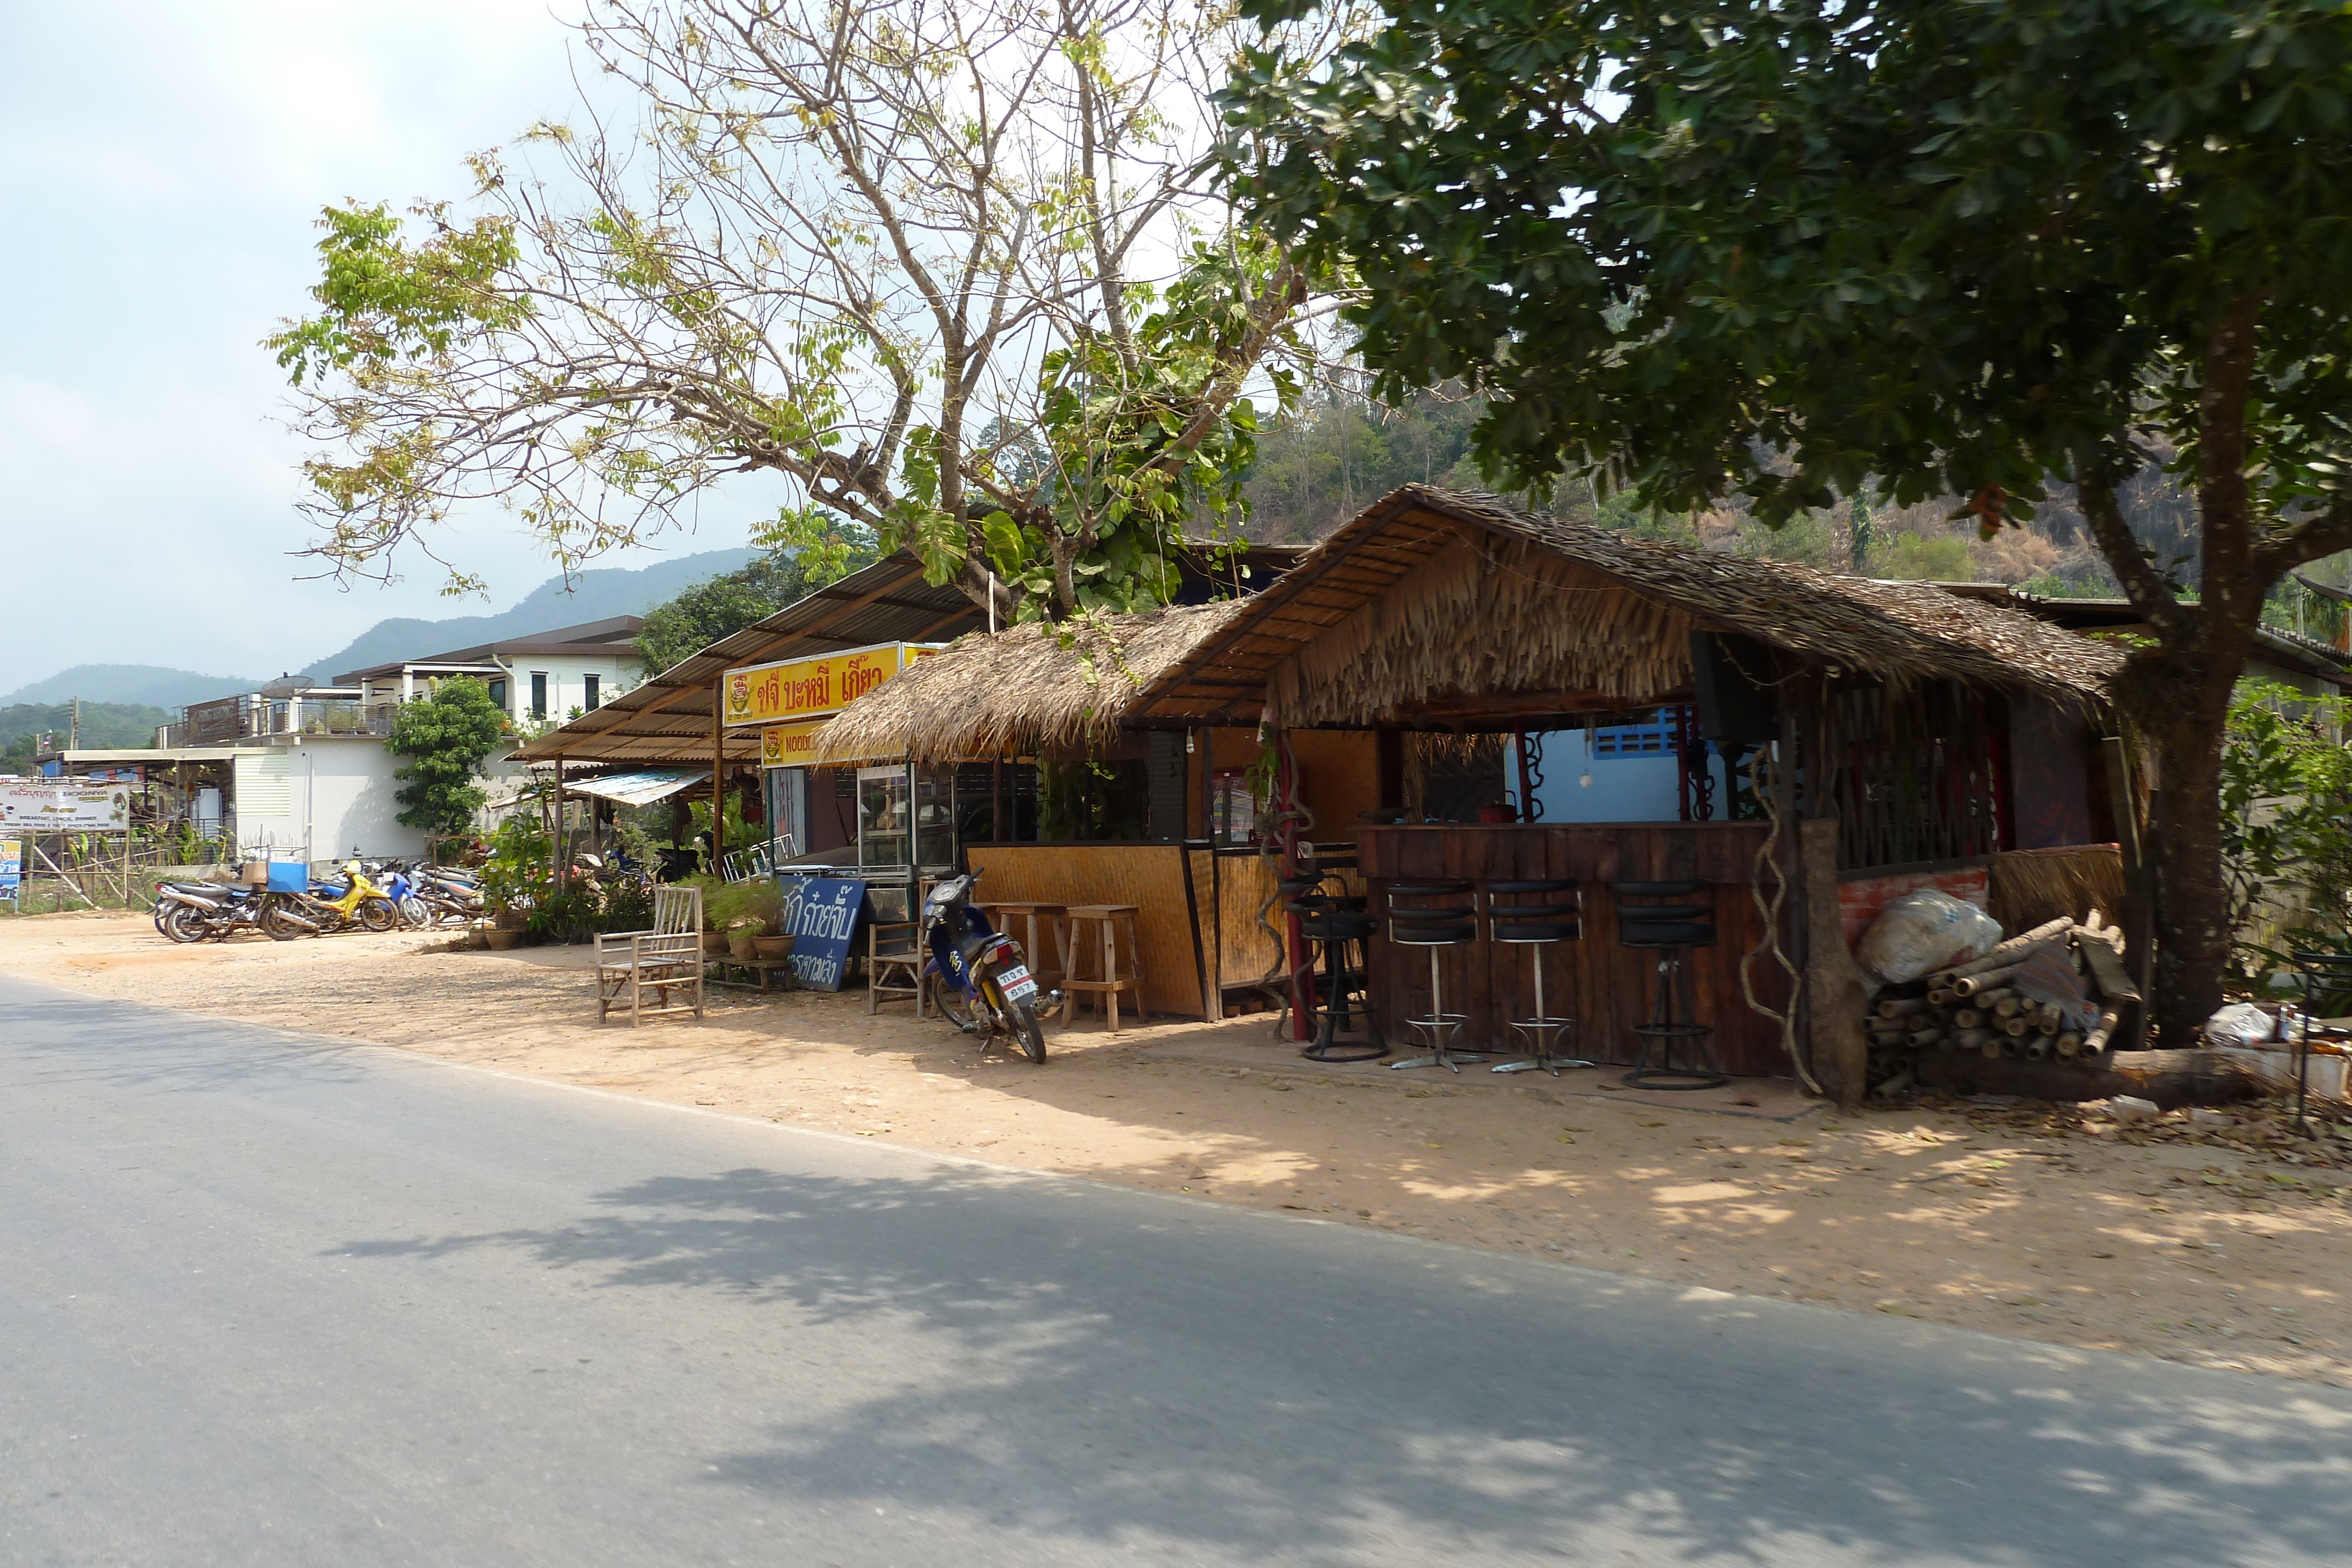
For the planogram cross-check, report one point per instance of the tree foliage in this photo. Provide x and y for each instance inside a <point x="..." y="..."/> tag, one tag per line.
<point x="2286" y="828"/>
<point x="445" y="736"/>
<point x="681" y="627"/>
<point x="1777" y="250"/>
<point x="877" y="252"/>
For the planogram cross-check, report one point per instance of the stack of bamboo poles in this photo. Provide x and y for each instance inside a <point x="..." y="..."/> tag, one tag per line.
<point x="1975" y="1006"/>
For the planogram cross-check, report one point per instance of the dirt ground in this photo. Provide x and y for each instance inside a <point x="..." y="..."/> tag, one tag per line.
<point x="2226" y="1248"/>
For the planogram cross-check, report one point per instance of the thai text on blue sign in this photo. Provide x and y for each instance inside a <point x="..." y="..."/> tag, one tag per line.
<point x="821" y="916"/>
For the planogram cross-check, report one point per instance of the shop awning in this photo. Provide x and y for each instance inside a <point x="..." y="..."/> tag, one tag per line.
<point x="641" y="788"/>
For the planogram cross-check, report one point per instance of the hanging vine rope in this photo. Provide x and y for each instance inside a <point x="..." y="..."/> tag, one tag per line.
<point x="1767" y="857"/>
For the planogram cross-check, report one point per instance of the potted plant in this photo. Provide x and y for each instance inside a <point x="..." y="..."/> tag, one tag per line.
<point x="742" y="933"/>
<point x="517" y="877"/>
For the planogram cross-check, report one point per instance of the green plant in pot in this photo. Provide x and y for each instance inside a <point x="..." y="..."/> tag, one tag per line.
<point x="744" y="934"/>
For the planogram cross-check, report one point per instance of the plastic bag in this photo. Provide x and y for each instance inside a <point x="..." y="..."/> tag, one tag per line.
<point x="1923" y="931"/>
<point x="2240" y="1023"/>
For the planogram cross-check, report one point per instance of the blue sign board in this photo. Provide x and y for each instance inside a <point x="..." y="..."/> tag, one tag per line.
<point x="821" y="916"/>
<point x="11" y="868"/>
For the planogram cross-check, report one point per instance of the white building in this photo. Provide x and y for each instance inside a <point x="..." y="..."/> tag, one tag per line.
<point x="308" y="775"/>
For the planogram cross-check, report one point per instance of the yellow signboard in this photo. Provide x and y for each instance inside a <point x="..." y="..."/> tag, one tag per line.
<point x="804" y="688"/>
<point x="789" y="745"/>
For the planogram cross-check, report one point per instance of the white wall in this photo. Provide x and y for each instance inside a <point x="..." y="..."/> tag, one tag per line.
<point x="567" y="682"/>
<point x="1623" y="789"/>
<point x="334" y="793"/>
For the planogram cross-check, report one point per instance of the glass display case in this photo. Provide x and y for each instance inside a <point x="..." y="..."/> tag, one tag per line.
<point x="905" y="817"/>
<point x="884" y="816"/>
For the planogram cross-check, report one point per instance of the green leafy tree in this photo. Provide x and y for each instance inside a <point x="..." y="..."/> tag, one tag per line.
<point x="680" y="628"/>
<point x="445" y="738"/>
<point x="887" y="254"/>
<point x="2286" y="827"/>
<point x="1773" y="250"/>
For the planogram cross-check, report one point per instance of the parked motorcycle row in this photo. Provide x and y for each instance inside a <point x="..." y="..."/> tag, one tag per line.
<point x="411" y="895"/>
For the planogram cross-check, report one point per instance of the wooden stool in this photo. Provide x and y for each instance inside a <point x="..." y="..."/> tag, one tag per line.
<point x="895" y="956"/>
<point x="1046" y="968"/>
<point x="1078" y="939"/>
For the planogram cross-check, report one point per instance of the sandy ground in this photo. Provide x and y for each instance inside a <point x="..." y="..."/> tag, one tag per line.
<point x="2227" y="1247"/>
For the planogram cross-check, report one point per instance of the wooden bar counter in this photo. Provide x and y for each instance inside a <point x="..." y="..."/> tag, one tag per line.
<point x="1606" y="987"/>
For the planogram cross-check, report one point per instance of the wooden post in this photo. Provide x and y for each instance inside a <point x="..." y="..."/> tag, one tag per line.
<point x="1835" y="996"/>
<point x="717" y="773"/>
<point x="2138" y="915"/>
<point x="563" y="832"/>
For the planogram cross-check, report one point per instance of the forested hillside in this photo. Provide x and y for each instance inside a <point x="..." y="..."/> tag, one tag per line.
<point x="102" y="724"/>
<point x="1317" y="470"/>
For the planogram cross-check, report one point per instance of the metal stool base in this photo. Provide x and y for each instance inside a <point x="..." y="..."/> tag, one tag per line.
<point x="1542" y="1035"/>
<point x="1663" y="1073"/>
<point x="1441" y="1028"/>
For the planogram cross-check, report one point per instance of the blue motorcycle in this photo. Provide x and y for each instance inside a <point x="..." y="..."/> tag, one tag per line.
<point x="977" y="975"/>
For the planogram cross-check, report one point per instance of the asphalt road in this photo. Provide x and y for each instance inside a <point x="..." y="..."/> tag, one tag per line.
<point x="267" y="1299"/>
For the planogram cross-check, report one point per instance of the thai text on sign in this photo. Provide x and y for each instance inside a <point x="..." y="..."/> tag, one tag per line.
<point x="51" y="810"/>
<point x="804" y="688"/>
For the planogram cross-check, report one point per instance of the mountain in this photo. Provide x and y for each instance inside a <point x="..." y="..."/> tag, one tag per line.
<point x="593" y="595"/>
<point x="149" y="686"/>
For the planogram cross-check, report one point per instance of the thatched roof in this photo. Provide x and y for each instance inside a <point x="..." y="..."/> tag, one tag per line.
<point x="1432" y="597"/>
<point x="1018" y="692"/>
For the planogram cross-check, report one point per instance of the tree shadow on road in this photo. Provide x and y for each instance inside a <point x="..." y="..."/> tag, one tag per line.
<point x="1116" y="1369"/>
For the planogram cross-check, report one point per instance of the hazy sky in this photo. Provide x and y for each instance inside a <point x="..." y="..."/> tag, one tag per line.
<point x="160" y="166"/>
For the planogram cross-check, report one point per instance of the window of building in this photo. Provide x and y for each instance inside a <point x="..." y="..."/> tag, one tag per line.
<point x="1661" y="736"/>
<point x="539" y="693"/>
<point x="594" y="701"/>
<point x="499" y="695"/>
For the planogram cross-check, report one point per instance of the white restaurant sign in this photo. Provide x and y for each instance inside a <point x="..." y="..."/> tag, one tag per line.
<point x="65" y="809"/>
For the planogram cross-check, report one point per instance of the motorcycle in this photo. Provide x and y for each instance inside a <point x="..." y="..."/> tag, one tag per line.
<point x="359" y="905"/>
<point x="199" y="911"/>
<point x="450" y="898"/>
<point x="978" y="976"/>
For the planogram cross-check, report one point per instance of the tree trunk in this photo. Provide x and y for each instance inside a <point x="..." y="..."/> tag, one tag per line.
<point x="2180" y="703"/>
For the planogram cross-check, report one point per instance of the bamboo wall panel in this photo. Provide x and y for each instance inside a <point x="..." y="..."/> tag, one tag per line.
<point x="1242" y="884"/>
<point x="1149" y="876"/>
<point x="1606" y="987"/>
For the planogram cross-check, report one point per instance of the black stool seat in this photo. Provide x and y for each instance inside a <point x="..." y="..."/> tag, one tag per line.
<point x="1535" y="911"/>
<point x="1537" y="930"/>
<point x="1546" y="885"/>
<point x="1338" y="923"/>
<point x="1432" y="932"/>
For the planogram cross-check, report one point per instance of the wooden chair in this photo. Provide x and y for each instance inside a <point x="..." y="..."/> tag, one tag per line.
<point x="666" y="958"/>
<point x="894" y="964"/>
<point x="1094" y="928"/>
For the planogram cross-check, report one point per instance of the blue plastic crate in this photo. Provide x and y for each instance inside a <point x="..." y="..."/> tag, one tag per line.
<point x="289" y="877"/>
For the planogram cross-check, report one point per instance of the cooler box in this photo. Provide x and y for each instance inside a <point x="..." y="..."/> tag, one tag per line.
<point x="289" y="877"/>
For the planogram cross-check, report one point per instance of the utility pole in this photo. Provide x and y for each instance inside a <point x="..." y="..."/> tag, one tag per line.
<point x="73" y="733"/>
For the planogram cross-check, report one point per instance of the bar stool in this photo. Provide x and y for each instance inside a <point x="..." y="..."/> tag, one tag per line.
<point x="1538" y="916"/>
<point x="1416" y="920"/>
<point x="1660" y="917"/>
<point x="1041" y="921"/>
<point x="1339" y="923"/>
<point x="1078" y="939"/>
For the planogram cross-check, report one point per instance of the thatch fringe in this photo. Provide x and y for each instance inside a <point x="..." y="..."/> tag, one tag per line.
<point x="1482" y="621"/>
<point x="1031" y="688"/>
<point x="2030" y="887"/>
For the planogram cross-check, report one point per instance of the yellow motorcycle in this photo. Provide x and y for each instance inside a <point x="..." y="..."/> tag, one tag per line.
<point x="360" y="907"/>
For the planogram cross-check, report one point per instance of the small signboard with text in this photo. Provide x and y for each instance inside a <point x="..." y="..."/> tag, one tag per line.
<point x="68" y="809"/>
<point x="821" y="916"/>
<point x="11" y="868"/>
<point x="807" y="688"/>
<point x="789" y="745"/>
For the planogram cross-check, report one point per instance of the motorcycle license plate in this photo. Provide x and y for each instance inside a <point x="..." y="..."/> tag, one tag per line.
<point x="1015" y="983"/>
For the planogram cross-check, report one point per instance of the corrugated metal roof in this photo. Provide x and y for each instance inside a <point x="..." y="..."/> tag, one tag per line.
<point x="671" y="717"/>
